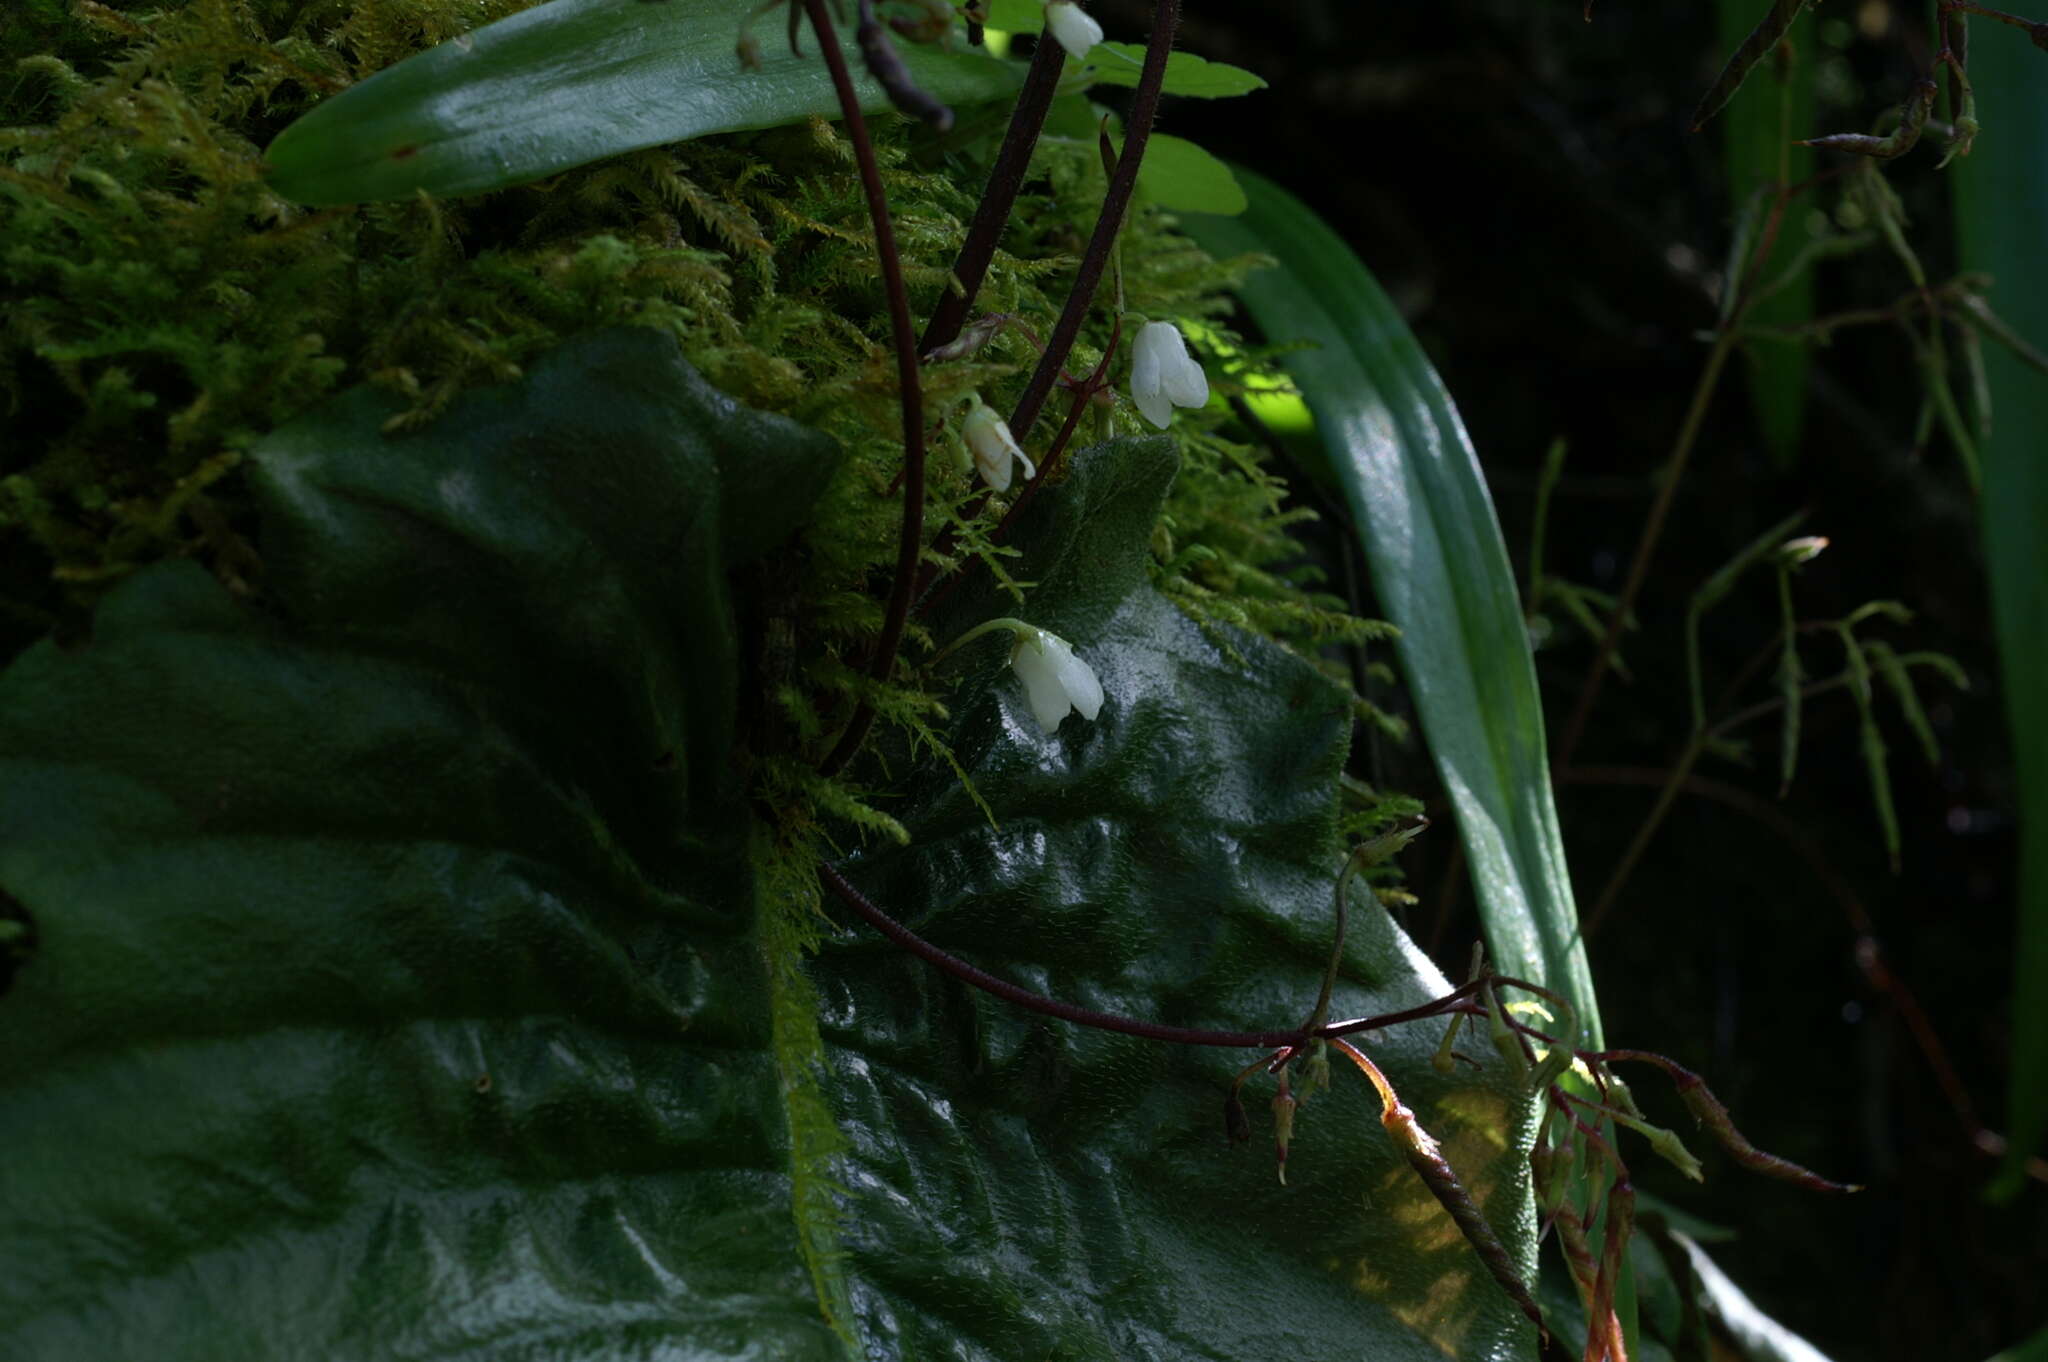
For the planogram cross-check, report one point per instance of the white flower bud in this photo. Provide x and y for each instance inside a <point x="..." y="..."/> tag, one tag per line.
<point x="1054" y="679"/>
<point x="1164" y="375"/>
<point x="994" y="448"/>
<point x="1796" y="552"/>
<point x="1073" y="26"/>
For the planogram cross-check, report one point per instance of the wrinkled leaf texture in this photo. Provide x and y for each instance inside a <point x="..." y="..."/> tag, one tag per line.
<point x="406" y="960"/>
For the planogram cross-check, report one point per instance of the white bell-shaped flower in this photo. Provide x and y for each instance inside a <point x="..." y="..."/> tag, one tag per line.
<point x="995" y="450"/>
<point x="1073" y="26"/>
<point x="1164" y="375"/>
<point x="1054" y="679"/>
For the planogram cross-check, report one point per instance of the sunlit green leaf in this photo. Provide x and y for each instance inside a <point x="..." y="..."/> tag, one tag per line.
<point x="1017" y="16"/>
<point x="575" y="81"/>
<point x="1439" y="568"/>
<point x="1180" y="176"/>
<point x="1186" y="73"/>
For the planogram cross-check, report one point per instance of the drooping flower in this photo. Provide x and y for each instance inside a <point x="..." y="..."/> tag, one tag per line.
<point x="1073" y="26"/>
<point x="1054" y="679"/>
<point x="1164" y="375"/>
<point x="995" y="449"/>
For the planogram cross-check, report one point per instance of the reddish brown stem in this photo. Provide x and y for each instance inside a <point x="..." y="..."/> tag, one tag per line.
<point x="1037" y="1002"/>
<point x="998" y="197"/>
<point x="1426" y="1157"/>
<point x="1693" y="1091"/>
<point x="910" y="539"/>
<point x="1115" y="201"/>
<point x="1287" y="1041"/>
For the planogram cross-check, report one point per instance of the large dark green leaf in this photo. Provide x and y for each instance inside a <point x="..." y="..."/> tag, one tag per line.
<point x="410" y="981"/>
<point x="1439" y="568"/>
<point x="571" y="82"/>
<point x="2002" y="217"/>
<point x="395" y="991"/>
<point x="1065" y="1193"/>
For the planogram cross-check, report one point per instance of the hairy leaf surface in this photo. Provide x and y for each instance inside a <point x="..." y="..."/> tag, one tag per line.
<point x="1173" y="859"/>
<point x="412" y="979"/>
<point x="395" y="992"/>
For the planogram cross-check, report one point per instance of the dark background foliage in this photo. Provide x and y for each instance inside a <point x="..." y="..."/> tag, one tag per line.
<point x="1525" y="186"/>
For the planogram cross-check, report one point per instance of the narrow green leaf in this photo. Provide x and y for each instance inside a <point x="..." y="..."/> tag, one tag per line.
<point x="1875" y="767"/>
<point x="1759" y="132"/>
<point x="1900" y="679"/>
<point x="571" y="82"/>
<point x="1711" y="593"/>
<point x="1791" y="683"/>
<point x="1186" y="73"/>
<point x="1439" y="566"/>
<point x="2001" y="220"/>
<point x="1756" y="1336"/>
<point x="1182" y="177"/>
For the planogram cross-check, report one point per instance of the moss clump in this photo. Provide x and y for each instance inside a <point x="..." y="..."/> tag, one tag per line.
<point x="164" y="309"/>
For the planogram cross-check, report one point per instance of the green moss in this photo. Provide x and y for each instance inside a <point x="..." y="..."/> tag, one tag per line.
<point x="165" y="309"/>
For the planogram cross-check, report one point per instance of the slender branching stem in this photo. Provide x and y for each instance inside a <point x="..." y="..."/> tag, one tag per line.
<point x="2016" y="20"/>
<point x="1676" y="778"/>
<point x="1646" y="544"/>
<point x="1115" y="201"/>
<point x="1037" y="1002"/>
<point x="910" y="540"/>
<point x="998" y="197"/>
<point x="1426" y="1158"/>
<point x="1288" y="1040"/>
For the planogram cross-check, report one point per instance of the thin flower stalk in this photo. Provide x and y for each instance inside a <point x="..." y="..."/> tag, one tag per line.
<point x="998" y="198"/>
<point x="910" y="539"/>
<point x="1693" y="1091"/>
<point x="1115" y="202"/>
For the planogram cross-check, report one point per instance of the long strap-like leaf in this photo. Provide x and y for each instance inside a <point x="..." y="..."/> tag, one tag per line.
<point x="1408" y="471"/>
<point x="2002" y="219"/>
<point x="572" y="82"/>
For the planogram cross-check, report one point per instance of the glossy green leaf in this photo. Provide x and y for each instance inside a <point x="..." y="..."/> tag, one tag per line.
<point x="1017" y="16"/>
<point x="1752" y="1335"/>
<point x="1758" y="130"/>
<point x="1186" y="74"/>
<point x="395" y="990"/>
<point x="2001" y="220"/>
<point x="1181" y="177"/>
<point x="1172" y="859"/>
<point x="1439" y="568"/>
<point x="2031" y="1349"/>
<point x="411" y="979"/>
<point x="575" y="81"/>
